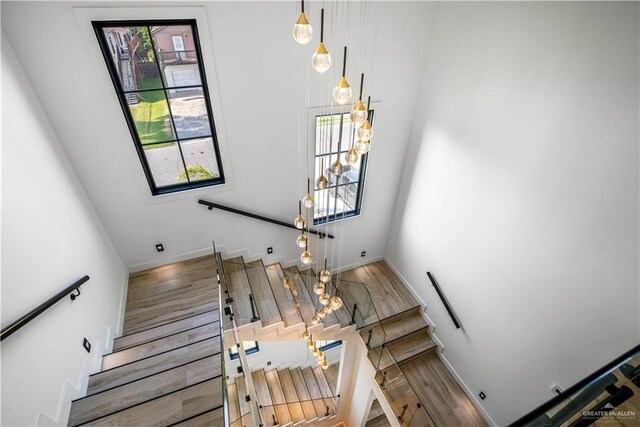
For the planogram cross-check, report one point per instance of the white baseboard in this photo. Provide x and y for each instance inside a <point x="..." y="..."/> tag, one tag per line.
<point x="170" y="260"/>
<point x="468" y="391"/>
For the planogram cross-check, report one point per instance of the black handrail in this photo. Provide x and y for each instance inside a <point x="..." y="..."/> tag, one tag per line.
<point x="444" y="300"/>
<point x="212" y="205"/>
<point x="23" y="320"/>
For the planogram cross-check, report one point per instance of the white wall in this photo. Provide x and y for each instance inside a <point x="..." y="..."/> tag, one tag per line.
<point x="520" y="194"/>
<point x="51" y="236"/>
<point x="262" y="76"/>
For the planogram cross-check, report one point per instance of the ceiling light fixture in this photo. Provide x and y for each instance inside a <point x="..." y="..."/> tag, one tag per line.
<point x="321" y="60"/>
<point x="302" y="31"/>
<point x="342" y="92"/>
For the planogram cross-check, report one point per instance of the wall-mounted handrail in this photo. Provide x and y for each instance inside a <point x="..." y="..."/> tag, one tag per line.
<point x="434" y="282"/>
<point x="23" y="320"/>
<point x="212" y="205"/>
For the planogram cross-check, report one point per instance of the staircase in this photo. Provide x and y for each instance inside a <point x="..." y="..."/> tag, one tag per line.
<point x="377" y="417"/>
<point x="287" y="396"/>
<point x="166" y="368"/>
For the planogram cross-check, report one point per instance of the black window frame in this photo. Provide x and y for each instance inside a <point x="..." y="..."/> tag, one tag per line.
<point x="247" y="351"/>
<point x="98" y="27"/>
<point x="361" y="177"/>
<point x="329" y="346"/>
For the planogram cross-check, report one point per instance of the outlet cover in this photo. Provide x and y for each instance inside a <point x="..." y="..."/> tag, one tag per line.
<point x="269" y="250"/>
<point x="363" y="254"/>
<point x="482" y="395"/>
<point x="87" y="345"/>
<point x="159" y="247"/>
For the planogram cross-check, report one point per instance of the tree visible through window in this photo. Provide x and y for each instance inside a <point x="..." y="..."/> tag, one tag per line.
<point x="157" y="71"/>
<point x="343" y="196"/>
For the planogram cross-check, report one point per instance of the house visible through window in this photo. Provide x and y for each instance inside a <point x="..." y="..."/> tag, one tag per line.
<point x="157" y="71"/>
<point x="250" y="347"/>
<point x="343" y="196"/>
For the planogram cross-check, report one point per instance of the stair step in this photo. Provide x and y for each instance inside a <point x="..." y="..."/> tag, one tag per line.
<point x="263" y="395"/>
<point x="277" y="397"/>
<point x="406" y="348"/>
<point x="283" y="296"/>
<point x="296" y="408"/>
<point x="298" y="288"/>
<point x="161" y="331"/>
<point x="160" y="345"/>
<point x="239" y="289"/>
<point x="394" y="327"/>
<point x="379" y="421"/>
<point x="133" y="393"/>
<point x="314" y="391"/>
<point x="234" y="407"/>
<point x="266" y="301"/>
<point x="332" y="377"/>
<point x="208" y="419"/>
<point x="151" y="365"/>
<point x="309" y="278"/>
<point x="170" y="408"/>
<point x="241" y="389"/>
<point x="325" y="389"/>
<point x="375" y="411"/>
<point x="308" y="405"/>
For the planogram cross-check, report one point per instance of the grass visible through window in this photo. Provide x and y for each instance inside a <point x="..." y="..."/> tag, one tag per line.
<point x="151" y="114"/>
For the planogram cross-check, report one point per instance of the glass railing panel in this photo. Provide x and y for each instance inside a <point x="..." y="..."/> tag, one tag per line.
<point x="239" y="289"/>
<point x="609" y="395"/>
<point x="402" y="398"/>
<point x="373" y="335"/>
<point x="421" y="418"/>
<point x="282" y="413"/>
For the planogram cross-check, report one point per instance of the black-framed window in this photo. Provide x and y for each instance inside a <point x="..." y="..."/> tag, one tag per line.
<point x="328" y="344"/>
<point x="157" y="71"/>
<point x="250" y="347"/>
<point x="343" y="196"/>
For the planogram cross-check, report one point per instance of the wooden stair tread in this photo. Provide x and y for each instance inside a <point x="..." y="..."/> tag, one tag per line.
<point x="314" y="391"/>
<point x="331" y="373"/>
<point x="151" y="365"/>
<point x="401" y="325"/>
<point x="128" y="395"/>
<point x="299" y="410"/>
<point x="234" y="405"/>
<point x="283" y="296"/>
<point x="152" y="348"/>
<point x="379" y="421"/>
<point x="277" y="397"/>
<point x="170" y="408"/>
<point x="166" y="329"/>
<point x="301" y="293"/>
<point x="325" y="390"/>
<point x="309" y="406"/>
<point x="263" y="395"/>
<point x="411" y="345"/>
<point x="241" y="389"/>
<point x="239" y="289"/>
<point x="375" y="411"/>
<point x="265" y="300"/>
<point x="208" y="419"/>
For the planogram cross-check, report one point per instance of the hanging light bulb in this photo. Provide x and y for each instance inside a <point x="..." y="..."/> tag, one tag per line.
<point x="302" y="31"/>
<point x="322" y="182"/>
<point x="306" y="334"/>
<point x="342" y="92"/>
<point x="336" y="302"/>
<point x="300" y="221"/>
<point x="319" y="355"/>
<point x="325" y="275"/>
<point x="321" y="313"/>
<point x="328" y="309"/>
<point x="321" y="60"/>
<point x="352" y="156"/>
<point x="324" y="298"/>
<point x="306" y="257"/>
<point x="308" y="200"/>
<point x="362" y="147"/>
<point x="286" y="282"/>
<point x="310" y="343"/>
<point x="359" y="111"/>
<point x="324" y="363"/>
<point x="302" y="240"/>
<point x="315" y="320"/>
<point x="336" y="167"/>
<point x="365" y="133"/>
<point x="318" y="288"/>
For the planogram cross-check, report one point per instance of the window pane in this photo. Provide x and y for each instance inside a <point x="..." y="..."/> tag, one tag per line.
<point x="150" y="114"/>
<point x="189" y="112"/>
<point x="165" y="163"/>
<point x="324" y="128"/>
<point x="132" y="55"/>
<point x="200" y="159"/>
<point x="328" y="204"/>
<point x="175" y="50"/>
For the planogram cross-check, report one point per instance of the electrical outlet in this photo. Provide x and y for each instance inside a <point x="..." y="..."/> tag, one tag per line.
<point x="269" y="363"/>
<point x="363" y="254"/>
<point x="87" y="345"/>
<point x="482" y="395"/>
<point x="239" y="369"/>
<point x="556" y="389"/>
<point x="159" y="247"/>
<point x="269" y="250"/>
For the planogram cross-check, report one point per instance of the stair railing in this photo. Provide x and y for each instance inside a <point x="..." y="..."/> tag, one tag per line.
<point x="23" y="320"/>
<point x="212" y="205"/>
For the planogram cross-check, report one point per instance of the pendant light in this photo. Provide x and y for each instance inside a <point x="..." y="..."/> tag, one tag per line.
<point x="299" y="222"/>
<point x="302" y="31"/>
<point x="359" y="111"/>
<point x="302" y="240"/>
<point x="342" y="92"/>
<point x="321" y="60"/>
<point x="318" y="288"/>
<point x="325" y="275"/>
<point x="365" y="133"/>
<point x="362" y="147"/>
<point x="336" y="302"/>
<point x="324" y="363"/>
<point x="336" y="167"/>
<point x="319" y="355"/>
<point x="324" y="299"/>
<point x="328" y="309"/>
<point x="321" y="313"/>
<point x="306" y="334"/>
<point x="305" y="257"/>
<point x="310" y="342"/>
<point x="308" y="200"/>
<point x="352" y="156"/>
<point x="315" y="320"/>
<point x="322" y="182"/>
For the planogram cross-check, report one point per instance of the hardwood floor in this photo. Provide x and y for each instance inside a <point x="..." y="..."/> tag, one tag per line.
<point x="166" y="368"/>
<point x="267" y="306"/>
<point x="284" y="299"/>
